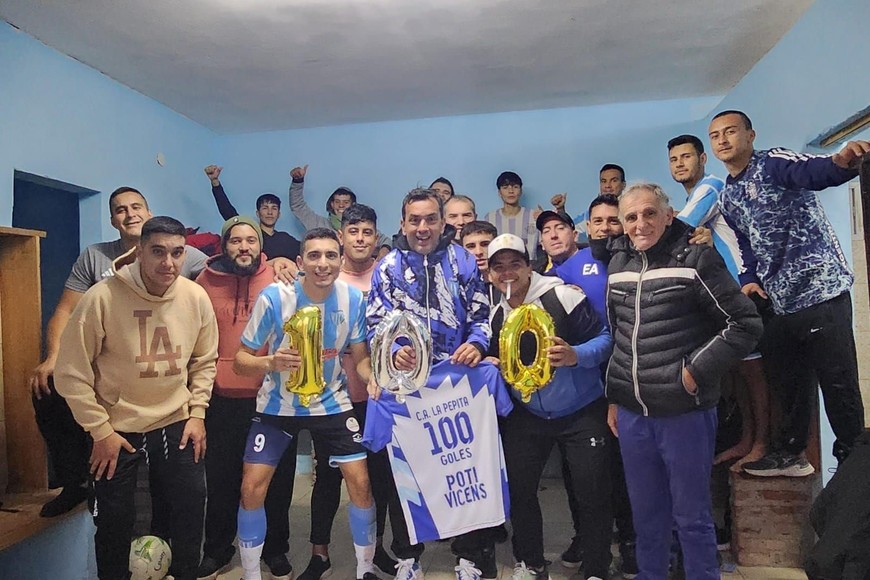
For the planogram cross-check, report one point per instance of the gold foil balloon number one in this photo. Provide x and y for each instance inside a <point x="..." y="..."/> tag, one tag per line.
<point x="526" y="378"/>
<point x="304" y="332"/>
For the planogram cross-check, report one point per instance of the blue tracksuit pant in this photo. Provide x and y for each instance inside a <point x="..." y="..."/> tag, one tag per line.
<point x="667" y="470"/>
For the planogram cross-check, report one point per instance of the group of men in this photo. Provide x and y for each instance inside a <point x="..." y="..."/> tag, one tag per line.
<point x="647" y="320"/>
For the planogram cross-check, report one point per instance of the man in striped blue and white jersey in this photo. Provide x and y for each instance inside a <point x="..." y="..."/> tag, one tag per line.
<point x="281" y="414"/>
<point x="687" y="161"/>
<point x="769" y="200"/>
<point x="512" y="218"/>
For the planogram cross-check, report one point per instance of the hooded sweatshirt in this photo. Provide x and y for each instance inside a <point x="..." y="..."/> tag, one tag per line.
<point x="133" y="362"/>
<point x="571" y="388"/>
<point x="444" y="288"/>
<point x="233" y="297"/>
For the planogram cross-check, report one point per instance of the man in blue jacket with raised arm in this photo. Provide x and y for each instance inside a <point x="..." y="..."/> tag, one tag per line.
<point x="791" y="254"/>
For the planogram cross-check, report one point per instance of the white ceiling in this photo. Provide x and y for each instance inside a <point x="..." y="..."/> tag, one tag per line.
<point x="254" y="65"/>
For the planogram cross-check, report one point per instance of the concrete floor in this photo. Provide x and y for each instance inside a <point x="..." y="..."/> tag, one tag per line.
<point x="437" y="560"/>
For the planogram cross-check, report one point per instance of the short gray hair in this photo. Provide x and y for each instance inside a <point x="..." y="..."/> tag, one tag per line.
<point x="465" y="198"/>
<point x="638" y="186"/>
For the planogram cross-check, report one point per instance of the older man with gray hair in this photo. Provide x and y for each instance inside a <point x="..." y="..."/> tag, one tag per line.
<point x="679" y="322"/>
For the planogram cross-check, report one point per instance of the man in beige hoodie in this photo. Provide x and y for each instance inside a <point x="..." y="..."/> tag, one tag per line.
<point x="136" y="365"/>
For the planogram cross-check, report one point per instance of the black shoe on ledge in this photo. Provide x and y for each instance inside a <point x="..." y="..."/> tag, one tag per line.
<point x="279" y="566"/>
<point x="67" y="499"/>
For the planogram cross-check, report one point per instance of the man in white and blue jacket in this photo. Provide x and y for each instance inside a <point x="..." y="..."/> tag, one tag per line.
<point x="792" y="255"/>
<point x="432" y="277"/>
<point x="569" y="411"/>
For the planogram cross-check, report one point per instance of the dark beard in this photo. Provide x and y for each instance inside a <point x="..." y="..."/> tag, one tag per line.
<point x="228" y="266"/>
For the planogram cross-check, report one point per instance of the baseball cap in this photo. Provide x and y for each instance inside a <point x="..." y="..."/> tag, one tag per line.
<point x="507" y="242"/>
<point x="550" y="215"/>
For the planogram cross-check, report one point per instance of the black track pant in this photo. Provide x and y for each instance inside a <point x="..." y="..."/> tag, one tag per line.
<point x="178" y="478"/>
<point x="816" y="346"/>
<point x="67" y="443"/>
<point x="528" y="441"/>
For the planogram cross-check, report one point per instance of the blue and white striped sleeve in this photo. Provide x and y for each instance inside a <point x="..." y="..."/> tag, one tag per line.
<point x="358" y="318"/>
<point x="701" y="207"/>
<point x="261" y="326"/>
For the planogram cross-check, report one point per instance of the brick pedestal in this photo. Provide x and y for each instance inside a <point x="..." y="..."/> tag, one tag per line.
<point x="771" y="519"/>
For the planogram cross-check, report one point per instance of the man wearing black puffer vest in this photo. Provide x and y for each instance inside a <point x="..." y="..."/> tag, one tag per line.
<point x="679" y="322"/>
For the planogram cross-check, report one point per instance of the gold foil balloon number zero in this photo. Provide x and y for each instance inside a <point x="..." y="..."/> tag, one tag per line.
<point x="304" y="332"/>
<point x="526" y="378"/>
<point x="394" y="325"/>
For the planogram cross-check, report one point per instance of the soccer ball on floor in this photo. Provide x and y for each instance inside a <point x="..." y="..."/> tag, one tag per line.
<point x="150" y="558"/>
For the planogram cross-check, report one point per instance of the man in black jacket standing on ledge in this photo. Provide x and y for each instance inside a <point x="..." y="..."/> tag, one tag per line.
<point x="679" y="322"/>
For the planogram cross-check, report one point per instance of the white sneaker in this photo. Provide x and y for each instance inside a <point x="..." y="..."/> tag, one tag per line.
<point x="466" y="570"/>
<point x="409" y="570"/>
<point x="523" y="572"/>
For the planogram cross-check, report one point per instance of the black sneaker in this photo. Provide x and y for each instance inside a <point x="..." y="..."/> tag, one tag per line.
<point x="369" y="576"/>
<point x="573" y="556"/>
<point x="385" y="563"/>
<point x="67" y="499"/>
<point x="628" y="564"/>
<point x="486" y="563"/>
<point x="279" y="566"/>
<point x="318" y="567"/>
<point x="210" y="567"/>
<point x="779" y="463"/>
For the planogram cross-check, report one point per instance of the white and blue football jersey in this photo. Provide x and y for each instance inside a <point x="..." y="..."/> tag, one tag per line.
<point x="343" y="316"/>
<point x="445" y="450"/>
<point x="702" y="209"/>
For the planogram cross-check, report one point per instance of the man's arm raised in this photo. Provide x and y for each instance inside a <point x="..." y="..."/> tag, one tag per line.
<point x="224" y="205"/>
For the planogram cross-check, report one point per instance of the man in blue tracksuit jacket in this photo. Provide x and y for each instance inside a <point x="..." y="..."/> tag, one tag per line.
<point x="430" y="276"/>
<point x="570" y="411"/>
<point x="792" y="255"/>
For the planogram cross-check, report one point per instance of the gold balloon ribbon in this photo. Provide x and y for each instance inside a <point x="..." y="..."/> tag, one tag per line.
<point x="526" y="378"/>
<point x="304" y="332"/>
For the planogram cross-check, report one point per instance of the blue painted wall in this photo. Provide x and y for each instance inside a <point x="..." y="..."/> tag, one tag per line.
<point x="553" y="151"/>
<point x="64" y="120"/>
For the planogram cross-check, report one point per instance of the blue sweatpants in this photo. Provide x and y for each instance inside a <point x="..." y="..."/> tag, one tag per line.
<point x="667" y="470"/>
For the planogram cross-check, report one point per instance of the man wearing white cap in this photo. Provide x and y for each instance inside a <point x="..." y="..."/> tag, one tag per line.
<point x="570" y="410"/>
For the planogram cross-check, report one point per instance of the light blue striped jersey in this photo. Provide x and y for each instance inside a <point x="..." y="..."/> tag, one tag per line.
<point x="702" y="209"/>
<point x="343" y="324"/>
<point x="522" y="225"/>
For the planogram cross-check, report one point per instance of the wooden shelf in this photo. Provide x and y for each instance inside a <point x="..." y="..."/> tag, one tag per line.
<point x="20" y="519"/>
<point x="23" y="467"/>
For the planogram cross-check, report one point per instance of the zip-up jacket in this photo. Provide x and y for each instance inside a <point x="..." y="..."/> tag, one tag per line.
<point x="444" y="288"/>
<point x="788" y="244"/>
<point x="572" y="388"/>
<point x="233" y="298"/>
<point x="672" y="307"/>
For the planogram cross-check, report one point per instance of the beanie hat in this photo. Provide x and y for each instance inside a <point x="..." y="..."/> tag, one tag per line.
<point x="236" y="220"/>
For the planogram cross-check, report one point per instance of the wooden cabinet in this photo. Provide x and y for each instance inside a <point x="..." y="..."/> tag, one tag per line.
<point x="23" y="467"/>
